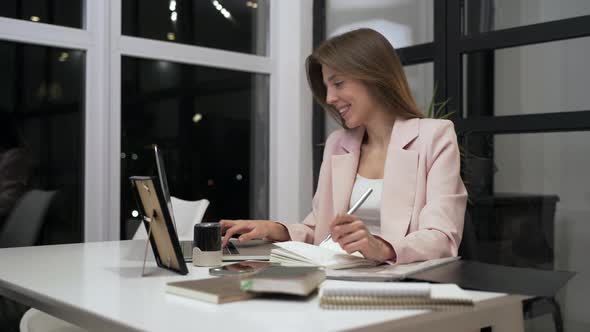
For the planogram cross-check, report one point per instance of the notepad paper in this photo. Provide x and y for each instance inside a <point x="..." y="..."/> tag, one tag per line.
<point x="294" y="253"/>
<point x="376" y="289"/>
<point x="391" y="295"/>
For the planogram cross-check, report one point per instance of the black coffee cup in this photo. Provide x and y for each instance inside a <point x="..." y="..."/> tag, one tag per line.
<point x="207" y="244"/>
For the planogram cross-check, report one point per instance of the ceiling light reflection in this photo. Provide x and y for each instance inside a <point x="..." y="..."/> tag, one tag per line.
<point x="222" y="10"/>
<point x="197" y="117"/>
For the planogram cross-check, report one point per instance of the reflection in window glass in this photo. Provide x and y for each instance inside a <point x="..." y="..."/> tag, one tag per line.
<point x="403" y="23"/>
<point x="483" y="16"/>
<point x="65" y="13"/>
<point x="530" y="204"/>
<point x="42" y="134"/>
<point x="212" y="126"/>
<point x="234" y="25"/>
<point x="541" y="78"/>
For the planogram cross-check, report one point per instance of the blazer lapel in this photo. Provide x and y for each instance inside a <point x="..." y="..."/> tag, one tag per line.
<point x="344" y="169"/>
<point x="399" y="182"/>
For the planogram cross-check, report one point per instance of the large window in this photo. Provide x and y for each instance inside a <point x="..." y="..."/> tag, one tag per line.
<point x="207" y="108"/>
<point x="540" y="78"/>
<point x="42" y="134"/>
<point x="88" y="86"/>
<point x="233" y="25"/>
<point x="212" y="126"/>
<point x="64" y="13"/>
<point x="493" y="15"/>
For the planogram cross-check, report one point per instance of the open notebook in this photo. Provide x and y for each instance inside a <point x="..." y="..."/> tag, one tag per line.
<point x="392" y="295"/>
<point x="344" y="266"/>
<point x="293" y="253"/>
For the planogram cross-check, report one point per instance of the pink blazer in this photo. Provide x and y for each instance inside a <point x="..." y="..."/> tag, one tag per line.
<point x="423" y="200"/>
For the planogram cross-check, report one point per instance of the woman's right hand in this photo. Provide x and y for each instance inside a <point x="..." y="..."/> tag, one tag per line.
<point x="253" y="229"/>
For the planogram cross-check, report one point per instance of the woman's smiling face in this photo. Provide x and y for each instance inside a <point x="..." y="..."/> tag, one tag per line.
<point x="349" y="96"/>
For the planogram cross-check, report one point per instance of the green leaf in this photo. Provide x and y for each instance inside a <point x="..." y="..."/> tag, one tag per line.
<point x="440" y="109"/>
<point x="448" y="115"/>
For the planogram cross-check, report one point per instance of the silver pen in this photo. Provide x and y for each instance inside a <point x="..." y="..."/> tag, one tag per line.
<point x="354" y="208"/>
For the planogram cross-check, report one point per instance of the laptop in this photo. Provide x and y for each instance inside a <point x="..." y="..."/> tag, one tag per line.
<point x="234" y="251"/>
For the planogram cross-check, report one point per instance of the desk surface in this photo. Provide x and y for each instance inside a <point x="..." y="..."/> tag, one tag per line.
<point x="98" y="286"/>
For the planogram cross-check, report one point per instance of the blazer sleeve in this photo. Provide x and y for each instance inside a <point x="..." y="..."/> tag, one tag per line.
<point x="441" y="219"/>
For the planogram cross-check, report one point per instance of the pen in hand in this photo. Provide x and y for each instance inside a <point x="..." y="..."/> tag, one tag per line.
<point x="353" y="209"/>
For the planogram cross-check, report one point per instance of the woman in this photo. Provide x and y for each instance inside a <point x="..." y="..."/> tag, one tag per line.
<point x="417" y="208"/>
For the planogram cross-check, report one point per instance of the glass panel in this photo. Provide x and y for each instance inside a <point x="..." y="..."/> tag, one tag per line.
<point x="211" y="124"/>
<point x="403" y="22"/>
<point x="541" y="78"/>
<point x="234" y="25"/>
<point x="421" y="80"/>
<point x="530" y="203"/>
<point x="67" y="14"/>
<point x="42" y="135"/>
<point x="487" y="15"/>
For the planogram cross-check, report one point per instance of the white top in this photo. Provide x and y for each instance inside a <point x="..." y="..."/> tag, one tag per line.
<point x="98" y="286"/>
<point x="370" y="211"/>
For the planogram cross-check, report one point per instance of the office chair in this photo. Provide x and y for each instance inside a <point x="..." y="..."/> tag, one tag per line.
<point x="24" y="223"/>
<point x="468" y="246"/>
<point x="21" y="229"/>
<point x="38" y="321"/>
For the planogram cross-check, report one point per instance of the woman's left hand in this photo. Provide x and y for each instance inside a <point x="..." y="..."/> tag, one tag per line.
<point x="352" y="235"/>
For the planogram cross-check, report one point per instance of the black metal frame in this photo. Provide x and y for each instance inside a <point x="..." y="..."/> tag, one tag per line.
<point x="458" y="44"/>
<point x="318" y="116"/>
<point x="446" y="52"/>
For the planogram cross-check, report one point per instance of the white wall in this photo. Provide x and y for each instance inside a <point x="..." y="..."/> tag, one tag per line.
<point x="291" y="178"/>
<point x="550" y="77"/>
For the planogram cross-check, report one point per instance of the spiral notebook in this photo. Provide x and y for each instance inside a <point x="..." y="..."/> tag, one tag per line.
<point x="392" y="295"/>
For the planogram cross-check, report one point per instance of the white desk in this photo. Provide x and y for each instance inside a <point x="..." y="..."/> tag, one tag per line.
<point x="98" y="286"/>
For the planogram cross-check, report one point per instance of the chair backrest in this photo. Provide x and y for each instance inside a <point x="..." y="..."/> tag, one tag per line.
<point x="186" y="215"/>
<point x="468" y="246"/>
<point x="24" y="223"/>
<point x="37" y="321"/>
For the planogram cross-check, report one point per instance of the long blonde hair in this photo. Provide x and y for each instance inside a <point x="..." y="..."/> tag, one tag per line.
<point x="365" y="55"/>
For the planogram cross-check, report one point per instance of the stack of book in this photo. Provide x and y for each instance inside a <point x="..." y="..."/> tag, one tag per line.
<point x="299" y="281"/>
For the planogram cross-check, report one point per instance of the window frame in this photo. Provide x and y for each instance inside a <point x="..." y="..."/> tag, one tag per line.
<point x="101" y="39"/>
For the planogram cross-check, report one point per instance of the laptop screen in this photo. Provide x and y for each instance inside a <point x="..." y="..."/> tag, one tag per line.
<point x="163" y="181"/>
